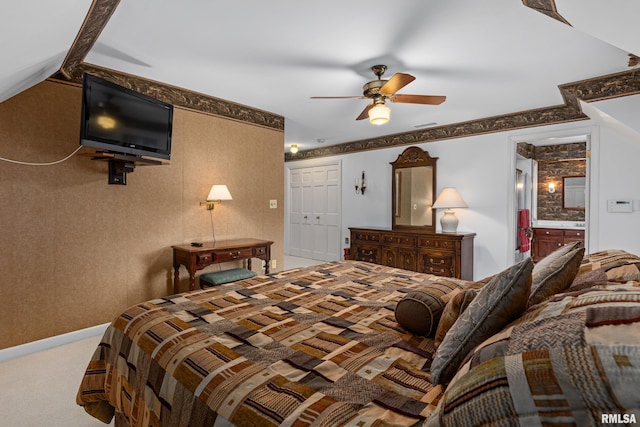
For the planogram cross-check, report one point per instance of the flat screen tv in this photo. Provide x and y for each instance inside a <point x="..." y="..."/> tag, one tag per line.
<point x="122" y="121"/>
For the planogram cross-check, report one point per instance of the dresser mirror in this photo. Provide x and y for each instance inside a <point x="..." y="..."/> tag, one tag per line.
<point x="413" y="189"/>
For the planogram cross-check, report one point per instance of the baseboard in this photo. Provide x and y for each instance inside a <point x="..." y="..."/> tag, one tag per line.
<point x="51" y="342"/>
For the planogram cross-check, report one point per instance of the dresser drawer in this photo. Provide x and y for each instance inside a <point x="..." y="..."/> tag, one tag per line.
<point x="441" y="264"/>
<point x="233" y="255"/>
<point x="364" y="236"/>
<point x="398" y="240"/>
<point x="259" y="251"/>
<point x="368" y="254"/>
<point x="574" y="234"/>
<point x="429" y="242"/>
<point x="204" y="258"/>
<point x="549" y="232"/>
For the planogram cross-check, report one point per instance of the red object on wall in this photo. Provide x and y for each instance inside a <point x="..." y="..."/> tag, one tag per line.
<point x="524" y="225"/>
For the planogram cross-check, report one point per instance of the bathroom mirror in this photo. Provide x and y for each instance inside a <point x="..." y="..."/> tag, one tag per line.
<point x="573" y="192"/>
<point x="413" y="190"/>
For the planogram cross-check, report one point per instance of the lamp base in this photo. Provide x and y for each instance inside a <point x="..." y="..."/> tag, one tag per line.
<point x="449" y="222"/>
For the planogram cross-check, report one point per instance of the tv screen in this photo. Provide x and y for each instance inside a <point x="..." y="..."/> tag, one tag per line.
<point x="120" y="120"/>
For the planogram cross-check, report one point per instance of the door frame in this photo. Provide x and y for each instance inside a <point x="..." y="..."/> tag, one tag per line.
<point x="593" y="194"/>
<point x="307" y="164"/>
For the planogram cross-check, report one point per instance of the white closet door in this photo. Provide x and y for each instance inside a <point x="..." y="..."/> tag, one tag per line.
<point x="314" y="224"/>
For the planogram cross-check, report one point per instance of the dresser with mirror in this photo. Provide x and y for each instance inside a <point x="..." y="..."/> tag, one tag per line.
<point x="412" y="242"/>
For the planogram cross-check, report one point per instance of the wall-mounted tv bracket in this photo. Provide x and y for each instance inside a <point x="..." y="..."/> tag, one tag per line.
<point x="121" y="164"/>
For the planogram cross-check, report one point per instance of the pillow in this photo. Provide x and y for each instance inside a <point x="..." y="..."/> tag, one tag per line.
<point x="498" y="303"/>
<point x="452" y="311"/>
<point x="617" y="264"/>
<point x="588" y="280"/>
<point x="562" y="250"/>
<point x="555" y="277"/>
<point x="420" y="310"/>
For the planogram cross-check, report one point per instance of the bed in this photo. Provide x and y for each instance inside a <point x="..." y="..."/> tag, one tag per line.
<point x="322" y="346"/>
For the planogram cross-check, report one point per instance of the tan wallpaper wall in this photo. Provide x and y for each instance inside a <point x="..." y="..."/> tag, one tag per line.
<point x="76" y="251"/>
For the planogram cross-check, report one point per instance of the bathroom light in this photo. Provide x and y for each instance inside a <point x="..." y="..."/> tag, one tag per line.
<point x="379" y="114"/>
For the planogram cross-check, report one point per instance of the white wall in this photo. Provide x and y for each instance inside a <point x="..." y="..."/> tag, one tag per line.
<point x="481" y="167"/>
<point x="619" y="177"/>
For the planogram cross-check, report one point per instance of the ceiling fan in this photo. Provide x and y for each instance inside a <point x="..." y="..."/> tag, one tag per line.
<point x="381" y="91"/>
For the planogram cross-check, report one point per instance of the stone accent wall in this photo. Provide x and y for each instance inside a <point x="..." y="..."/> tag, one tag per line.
<point x="550" y="204"/>
<point x="554" y="163"/>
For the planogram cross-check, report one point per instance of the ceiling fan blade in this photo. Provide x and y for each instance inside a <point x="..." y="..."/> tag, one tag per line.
<point x="419" y="99"/>
<point x="365" y="112"/>
<point x="396" y="82"/>
<point x="337" y="97"/>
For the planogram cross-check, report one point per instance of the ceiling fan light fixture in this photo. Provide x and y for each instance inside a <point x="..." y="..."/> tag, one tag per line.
<point x="379" y="114"/>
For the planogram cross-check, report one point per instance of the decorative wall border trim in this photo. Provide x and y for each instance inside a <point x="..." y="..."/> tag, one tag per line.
<point x="97" y="18"/>
<point x="547" y="7"/>
<point x="524" y="119"/>
<point x="596" y="89"/>
<point x="600" y="88"/>
<point x="73" y="68"/>
<point x="183" y="98"/>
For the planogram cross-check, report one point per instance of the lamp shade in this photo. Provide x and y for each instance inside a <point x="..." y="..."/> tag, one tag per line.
<point x="449" y="198"/>
<point x="379" y="114"/>
<point x="219" y="192"/>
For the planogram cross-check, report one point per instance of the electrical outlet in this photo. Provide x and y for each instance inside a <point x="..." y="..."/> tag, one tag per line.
<point x="273" y="204"/>
<point x="346" y="240"/>
<point x="274" y="264"/>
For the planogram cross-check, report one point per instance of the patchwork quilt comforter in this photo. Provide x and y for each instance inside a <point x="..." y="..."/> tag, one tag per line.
<point x="321" y="346"/>
<point x="314" y="346"/>
<point x="573" y="360"/>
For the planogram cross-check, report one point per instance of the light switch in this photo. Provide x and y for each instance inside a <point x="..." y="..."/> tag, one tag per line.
<point x="273" y="204"/>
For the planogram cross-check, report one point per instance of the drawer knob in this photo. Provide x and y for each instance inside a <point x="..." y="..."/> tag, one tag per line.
<point x="546" y="232"/>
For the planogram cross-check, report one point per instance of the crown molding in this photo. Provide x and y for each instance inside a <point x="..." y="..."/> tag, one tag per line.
<point x="181" y="97"/>
<point x="74" y="67"/>
<point x="547" y="7"/>
<point x="97" y="18"/>
<point x="596" y="89"/>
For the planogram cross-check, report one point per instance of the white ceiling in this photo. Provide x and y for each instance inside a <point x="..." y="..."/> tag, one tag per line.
<point x="488" y="57"/>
